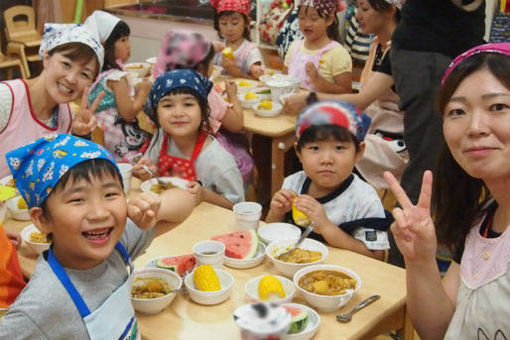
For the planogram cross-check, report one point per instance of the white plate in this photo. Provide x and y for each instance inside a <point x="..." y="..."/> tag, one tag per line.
<point x="248" y="103"/>
<point x="244" y="89"/>
<point x="151" y="60"/>
<point x="251" y="288"/>
<point x="247" y="263"/>
<point x="6" y="180"/>
<point x="35" y="246"/>
<point x="312" y="326"/>
<point x="176" y="181"/>
<point x="278" y="231"/>
<point x="276" y="110"/>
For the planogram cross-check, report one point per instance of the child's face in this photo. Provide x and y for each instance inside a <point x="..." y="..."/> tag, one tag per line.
<point x="328" y="163"/>
<point x="475" y="126"/>
<point x="66" y="79"/>
<point x="86" y="220"/>
<point x="232" y="27"/>
<point x="122" y="48"/>
<point x="179" y="114"/>
<point x="311" y="24"/>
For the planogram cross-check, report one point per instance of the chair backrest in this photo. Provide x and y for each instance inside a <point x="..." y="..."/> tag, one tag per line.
<point x="19" y="22"/>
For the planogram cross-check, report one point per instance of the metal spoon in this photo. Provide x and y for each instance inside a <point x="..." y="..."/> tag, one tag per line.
<point x="162" y="183"/>
<point x="301" y="238"/>
<point x="346" y="317"/>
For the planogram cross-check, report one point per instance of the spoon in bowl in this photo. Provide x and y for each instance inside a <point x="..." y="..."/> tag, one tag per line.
<point x="301" y="238"/>
<point x="346" y="317"/>
<point x="161" y="182"/>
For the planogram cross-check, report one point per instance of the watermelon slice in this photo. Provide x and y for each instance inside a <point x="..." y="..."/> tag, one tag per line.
<point x="239" y="244"/>
<point x="179" y="264"/>
<point x="299" y="319"/>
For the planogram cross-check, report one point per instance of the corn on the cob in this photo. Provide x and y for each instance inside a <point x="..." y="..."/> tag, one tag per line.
<point x="299" y="217"/>
<point x="270" y="286"/>
<point x="206" y="278"/>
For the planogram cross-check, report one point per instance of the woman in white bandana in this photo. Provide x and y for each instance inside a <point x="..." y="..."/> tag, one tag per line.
<point x="34" y="108"/>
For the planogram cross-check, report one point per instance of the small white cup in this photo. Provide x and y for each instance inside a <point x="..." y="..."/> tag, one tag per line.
<point x="247" y="215"/>
<point x="209" y="252"/>
<point x="126" y="170"/>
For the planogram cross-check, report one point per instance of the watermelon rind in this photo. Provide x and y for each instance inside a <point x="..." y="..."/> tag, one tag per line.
<point x="178" y="264"/>
<point x="254" y="246"/>
<point x="298" y="321"/>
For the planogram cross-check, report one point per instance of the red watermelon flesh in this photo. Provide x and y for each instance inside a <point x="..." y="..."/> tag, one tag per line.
<point x="179" y="264"/>
<point x="239" y="244"/>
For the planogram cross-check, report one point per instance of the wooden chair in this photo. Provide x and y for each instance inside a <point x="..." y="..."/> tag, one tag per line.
<point x="9" y="62"/>
<point x="22" y="36"/>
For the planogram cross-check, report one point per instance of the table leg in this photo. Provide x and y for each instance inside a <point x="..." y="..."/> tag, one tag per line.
<point x="279" y="146"/>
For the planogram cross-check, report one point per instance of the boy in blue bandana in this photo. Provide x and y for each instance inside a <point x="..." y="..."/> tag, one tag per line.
<point x="80" y="288"/>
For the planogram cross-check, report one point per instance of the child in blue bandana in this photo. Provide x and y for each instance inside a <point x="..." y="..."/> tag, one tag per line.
<point x="80" y="288"/>
<point x="347" y="212"/>
<point x="182" y="146"/>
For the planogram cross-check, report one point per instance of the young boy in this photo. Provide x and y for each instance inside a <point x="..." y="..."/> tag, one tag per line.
<point x="347" y="212"/>
<point x="80" y="288"/>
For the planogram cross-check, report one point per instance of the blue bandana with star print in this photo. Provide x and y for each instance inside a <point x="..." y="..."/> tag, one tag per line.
<point x="176" y="79"/>
<point x="38" y="167"/>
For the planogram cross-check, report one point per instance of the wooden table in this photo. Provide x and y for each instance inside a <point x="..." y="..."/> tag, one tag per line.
<point x="184" y="319"/>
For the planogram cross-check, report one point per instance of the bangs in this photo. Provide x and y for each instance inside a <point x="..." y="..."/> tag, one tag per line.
<point x="77" y="52"/>
<point x="94" y="168"/>
<point x="321" y="133"/>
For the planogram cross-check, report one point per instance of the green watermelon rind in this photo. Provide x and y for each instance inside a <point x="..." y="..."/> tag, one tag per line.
<point x="173" y="267"/>
<point x="252" y="252"/>
<point x="299" y="321"/>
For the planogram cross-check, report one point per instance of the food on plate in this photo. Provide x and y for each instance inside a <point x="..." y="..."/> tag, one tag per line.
<point x="38" y="237"/>
<point x="270" y="72"/>
<point x="250" y="96"/>
<point x="270" y="288"/>
<point x="6" y="192"/>
<point x="299" y="255"/>
<point x="149" y="288"/>
<point x="134" y="66"/>
<point x="299" y="319"/>
<point x="244" y="83"/>
<point x="158" y="188"/>
<point x="22" y="204"/>
<point x="179" y="264"/>
<point x="239" y="244"/>
<point x="299" y="217"/>
<point x="206" y="279"/>
<point x="327" y="282"/>
<point x="228" y="53"/>
<point x="12" y="183"/>
<point x="265" y="105"/>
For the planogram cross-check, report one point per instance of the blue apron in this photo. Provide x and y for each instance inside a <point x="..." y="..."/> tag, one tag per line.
<point x="115" y="318"/>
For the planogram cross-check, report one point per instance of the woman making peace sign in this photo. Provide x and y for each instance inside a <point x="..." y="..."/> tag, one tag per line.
<point x="37" y="107"/>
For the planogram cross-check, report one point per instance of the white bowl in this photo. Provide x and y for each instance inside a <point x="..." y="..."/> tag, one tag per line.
<point x="35" y="246"/>
<point x="278" y="247"/>
<point x="7" y="181"/>
<point x="312" y="325"/>
<point x="326" y="303"/>
<point x="275" y="111"/>
<point x="252" y="288"/>
<point x="137" y="70"/>
<point x="176" y="181"/>
<point x="247" y="263"/>
<point x="249" y="88"/>
<point x="278" y="231"/>
<point x="126" y="171"/>
<point x="281" y="84"/>
<point x="210" y="298"/>
<point x="248" y="103"/>
<point x="156" y="305"/>
<point x="17" y="214"/>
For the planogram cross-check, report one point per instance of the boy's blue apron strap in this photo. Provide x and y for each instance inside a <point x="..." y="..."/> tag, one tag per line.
<point x="128" y="328"/>
<point x="376" y="223"/>
<point x="68" y="285"/>
<point x="124" y="254"/>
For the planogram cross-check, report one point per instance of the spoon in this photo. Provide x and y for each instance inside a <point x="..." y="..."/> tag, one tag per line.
<point x="346" y="317"/>
<point x="307" y="232"/>
<point x="162" y="183"/>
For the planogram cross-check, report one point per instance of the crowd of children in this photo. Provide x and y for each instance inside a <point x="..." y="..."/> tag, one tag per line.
<point x="74" y="189"/>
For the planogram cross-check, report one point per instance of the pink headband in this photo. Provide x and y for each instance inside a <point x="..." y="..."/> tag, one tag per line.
<point x="499" y="48"/>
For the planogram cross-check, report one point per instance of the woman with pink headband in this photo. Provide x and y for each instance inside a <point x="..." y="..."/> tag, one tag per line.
<point x="471" y="204"/>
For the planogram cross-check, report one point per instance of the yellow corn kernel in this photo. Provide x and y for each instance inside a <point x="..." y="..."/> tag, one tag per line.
<point x="270" y="287"/>
<point x="244" y="83"/>
<point x="228" y="53"/>
<point x="299" y="217"/>
<point x="206" y="278"/>
<point x="22" y="204"/>
<point x="265" y="105"/>
<point x="250" y="96"/>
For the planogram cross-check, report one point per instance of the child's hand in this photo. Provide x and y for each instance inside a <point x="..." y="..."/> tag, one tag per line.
<point x="256" y="70"/>
<point x="229" y="65"/>
<point x="282" y="201"/>
<point x="218" y="46"/>
<point x="413" y="229"/>
<point x="312" y="72"/>
<point x="84" y="120"/>
<point x="140" y="172"/>
<point x="143" y="209"/>
<point x="197" y="191"/>
<point x="14" y="237"/>
<point x="314" y="210"/>
<point x="295" y="103"/>
<point x="231" y="89"/>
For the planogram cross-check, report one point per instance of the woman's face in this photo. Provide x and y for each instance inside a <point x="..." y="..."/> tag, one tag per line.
<point x="476" y="123"/>
<point x="66" y="79"/>
<point x="232" y="27"/>
<point x="370" y="20"/>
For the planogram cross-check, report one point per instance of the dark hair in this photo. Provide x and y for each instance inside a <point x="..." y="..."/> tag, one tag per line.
<point x="93" y="168"/>
<point x="459" y="199"/>
<point x="319" y="133"/>
<point x="121" y="30"/>
<point x="332" y="30"/>
<point x="77" y="52"/>
<point x="217" y="17"/>
<point x="384" y="6"/>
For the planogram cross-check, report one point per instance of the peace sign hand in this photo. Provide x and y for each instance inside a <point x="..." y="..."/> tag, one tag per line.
<point x="84" y="120"/>
<point x="413" y="228"/>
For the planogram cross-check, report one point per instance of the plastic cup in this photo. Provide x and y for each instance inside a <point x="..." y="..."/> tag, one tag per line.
<point x="247" y="215"/>
<point x="262" y="321"/>
<point x="126" y="170"/>
<point x="209" y="252"/>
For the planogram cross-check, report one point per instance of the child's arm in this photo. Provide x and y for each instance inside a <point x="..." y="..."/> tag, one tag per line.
<point x="280" y="205"/>
<point x="233" y="120"/>
<point x="342" y="82"/>
<point x="199" y="193"/>
<point x="231" y="67"/>
<point x="256" y="70"/>
<point x="164" y="211"/>
<point x="127" y="108"/>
